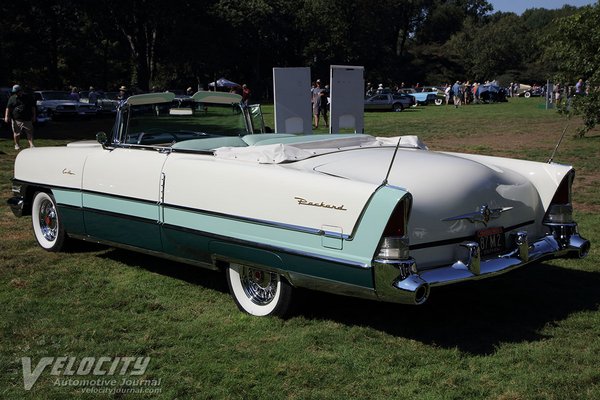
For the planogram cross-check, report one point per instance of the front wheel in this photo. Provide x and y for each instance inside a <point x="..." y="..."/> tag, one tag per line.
<point x="438" y="102"/>
<point x="527" y="95"/>
<point x="258" y="292"/>
<point x="397" y="107"/>
<point x="47" y="226"/>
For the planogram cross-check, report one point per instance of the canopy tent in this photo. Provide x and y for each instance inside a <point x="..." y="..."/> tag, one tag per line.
<point x="224" y="83"/>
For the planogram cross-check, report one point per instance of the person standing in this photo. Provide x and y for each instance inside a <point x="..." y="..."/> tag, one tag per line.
<point x="318" y="100"/>
<point x="93" y="96"/>
<point x="245" y="94"/>
<point x="456" y="93"/>
<point x="74" y="95"/>
<point x="20" y="114"/>
<point x="579" y="88"/>
<point x="123" y="95"/>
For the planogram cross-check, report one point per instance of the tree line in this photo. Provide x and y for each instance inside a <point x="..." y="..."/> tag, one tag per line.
<point x="55" y="44"/>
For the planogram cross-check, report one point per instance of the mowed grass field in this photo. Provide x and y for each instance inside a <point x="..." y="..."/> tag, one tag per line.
<point x="530" y="334"/>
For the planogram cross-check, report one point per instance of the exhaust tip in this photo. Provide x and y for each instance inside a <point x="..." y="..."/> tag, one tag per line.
<point x="579" y="246"/>
<point x="412" y="290"/>
<point x="421" y="294"/>
<point x="584" y="249"/>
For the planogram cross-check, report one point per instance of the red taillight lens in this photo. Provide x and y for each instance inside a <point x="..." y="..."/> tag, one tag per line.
<point x="563" y="193"/>
<point x="394" y="242"/>
<point x="396" y="225"/>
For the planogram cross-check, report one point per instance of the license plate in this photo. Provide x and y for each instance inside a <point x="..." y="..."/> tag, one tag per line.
<point x="491" y="241"/>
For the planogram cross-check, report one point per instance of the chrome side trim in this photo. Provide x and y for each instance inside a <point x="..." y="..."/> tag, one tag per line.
<point x="263" y="246"/>
<point x="329" y="286"/>
<point x="280" y="225"/>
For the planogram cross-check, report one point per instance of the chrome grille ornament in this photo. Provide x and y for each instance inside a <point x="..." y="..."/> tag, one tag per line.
<point x="484" y="215"/>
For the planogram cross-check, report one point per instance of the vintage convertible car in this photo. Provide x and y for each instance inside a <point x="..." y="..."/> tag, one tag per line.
<point x="424" y="96"/>
<point x="379" y="218"/>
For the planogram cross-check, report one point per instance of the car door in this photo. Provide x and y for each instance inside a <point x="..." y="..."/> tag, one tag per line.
<point x="378" y="102"/>
<point x="121" y="195"/>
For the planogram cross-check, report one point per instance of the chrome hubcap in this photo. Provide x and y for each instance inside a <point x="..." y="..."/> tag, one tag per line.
<point x="48" y="220"/>
<point x="259" y="286"/>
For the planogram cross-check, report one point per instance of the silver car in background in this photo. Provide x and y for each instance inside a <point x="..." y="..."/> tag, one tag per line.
<point x="60" y="104"/>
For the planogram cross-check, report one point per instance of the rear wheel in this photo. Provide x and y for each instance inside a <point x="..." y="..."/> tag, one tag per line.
<point x="527" y="95"/>
<point x="258" y="292"/>
<point x="47" y="226"/>
<point x="397" y="107"/>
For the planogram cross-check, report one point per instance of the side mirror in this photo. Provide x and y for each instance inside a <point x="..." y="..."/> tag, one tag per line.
<point x="102" y="138"/>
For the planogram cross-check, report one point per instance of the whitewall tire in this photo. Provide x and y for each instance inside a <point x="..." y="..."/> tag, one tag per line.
<point x="438" y="102"/>
<point x="47" y="226"/>
<point x="258" y="292"/>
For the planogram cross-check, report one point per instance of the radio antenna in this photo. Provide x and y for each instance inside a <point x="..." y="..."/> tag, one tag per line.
<point x="558" y="144"/>
<point x="385" y="181"/>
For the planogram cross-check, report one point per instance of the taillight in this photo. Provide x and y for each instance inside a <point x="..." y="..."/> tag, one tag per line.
<point x="563" y="193"/>
<point x="394" y="242"/>
<point x="561" y="210"/>
<point x="559" y="214"/>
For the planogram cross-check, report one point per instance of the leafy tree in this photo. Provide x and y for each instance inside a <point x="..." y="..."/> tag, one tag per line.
<point x="574" y="48"/>
<point x="488" y="49"/>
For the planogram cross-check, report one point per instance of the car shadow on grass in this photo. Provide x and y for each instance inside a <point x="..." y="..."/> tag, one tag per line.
<point x="473" y="317"/>
<point x="189" y="273"/>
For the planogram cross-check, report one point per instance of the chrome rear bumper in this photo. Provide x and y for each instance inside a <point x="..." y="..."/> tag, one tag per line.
<point x="16" y="205"/>
<point x="399" y="281"/>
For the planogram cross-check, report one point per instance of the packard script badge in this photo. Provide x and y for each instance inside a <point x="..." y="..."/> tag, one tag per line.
<point x="304" y="202"/>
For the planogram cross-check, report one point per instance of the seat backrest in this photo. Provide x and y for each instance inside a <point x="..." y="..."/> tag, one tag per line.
<point x="210" y="143"/>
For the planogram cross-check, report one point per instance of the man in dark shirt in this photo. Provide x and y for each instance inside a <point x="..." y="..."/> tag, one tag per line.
<point x="20" y="114"/>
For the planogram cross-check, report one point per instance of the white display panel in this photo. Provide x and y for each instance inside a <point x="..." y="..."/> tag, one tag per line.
<point x="291" y="89"/>
<point x="347" y="98"/>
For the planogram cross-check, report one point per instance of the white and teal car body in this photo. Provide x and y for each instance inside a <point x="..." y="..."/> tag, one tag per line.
<point x="379" y="218"/>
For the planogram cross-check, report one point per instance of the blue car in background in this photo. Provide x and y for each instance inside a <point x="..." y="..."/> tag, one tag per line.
<point x="492" y="93"/>
<point x="425" y="96"/>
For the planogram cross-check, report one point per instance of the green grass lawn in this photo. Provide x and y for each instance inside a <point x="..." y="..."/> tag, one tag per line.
<point x="531" y="334"/>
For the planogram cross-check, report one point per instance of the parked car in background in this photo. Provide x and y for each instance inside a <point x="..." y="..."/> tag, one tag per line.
<point x="5" y="93"/>
<point x="106" y="102"/>
<point x="59" y="104"/>
<point x="425" y="97"/>
<point x="389" y="102"/>
<point x="529" y="91"/>
<point x="379" y="218"/>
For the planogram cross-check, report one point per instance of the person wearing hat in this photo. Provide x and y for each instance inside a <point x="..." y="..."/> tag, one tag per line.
<point x="20" y="114"/>
<point x="123" y="95"/>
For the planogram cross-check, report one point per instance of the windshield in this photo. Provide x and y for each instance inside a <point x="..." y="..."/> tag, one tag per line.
<point x="168" y="123"/>
<point x="56" y="96"/>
